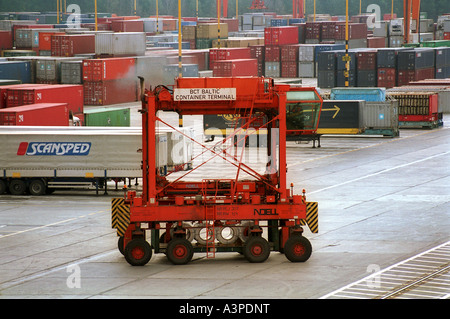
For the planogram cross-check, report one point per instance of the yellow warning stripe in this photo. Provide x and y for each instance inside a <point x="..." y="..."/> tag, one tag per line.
<point x="120" y="215"/>
<point x="312" y="216"/>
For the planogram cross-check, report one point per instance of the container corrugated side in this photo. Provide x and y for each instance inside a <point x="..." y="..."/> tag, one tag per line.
<point x="120" y="44"/>
<point x="380" y="115"/>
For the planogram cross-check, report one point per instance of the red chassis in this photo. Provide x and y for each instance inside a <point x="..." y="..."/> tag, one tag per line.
<point x="185" y="208"/>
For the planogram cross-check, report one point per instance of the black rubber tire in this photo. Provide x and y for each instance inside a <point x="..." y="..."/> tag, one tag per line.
<point x="17" y="187"/>
<point x="120" y="245"/>
<point x="256" y="249"/>
<point x="138" y="252"/>
<point x="179" y="251"/>
<point x="297" y="248"/>
<point x="2" y="187"/>
<point x="37" y="187"/>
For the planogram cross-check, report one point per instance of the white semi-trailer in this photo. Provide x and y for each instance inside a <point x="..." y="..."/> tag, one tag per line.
<point x="38" y="160"/>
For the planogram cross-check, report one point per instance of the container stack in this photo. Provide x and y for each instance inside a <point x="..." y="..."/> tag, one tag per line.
<point x="208" y="32"/>
<point x="442" y="63"/>
<point x="327" y="69"/>
<point x="289" y="60"/>
<point x="387" y="67"/>
<point x="109" y="81"/>
<point x="306" y="64"/>
<point x="221" y="54"/>
<point x="274" y="38"/>
<point x="48" y="69"/>
<point x="72" y="95"/>
<point x="258" y="52"/>
<point x="366" y="62"/>
<point x="237" y="67"/>
<point x="415" y="64"/>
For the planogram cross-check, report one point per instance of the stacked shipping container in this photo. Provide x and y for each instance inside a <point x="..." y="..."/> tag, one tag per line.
<point x="415" y="65"/>
<point x="274" y="39"/>
<point x="366" y="62"/>
<point x="109" y="81"/>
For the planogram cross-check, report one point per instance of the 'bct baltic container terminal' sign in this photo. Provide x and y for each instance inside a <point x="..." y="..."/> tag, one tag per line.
<point x="205" y="94"/>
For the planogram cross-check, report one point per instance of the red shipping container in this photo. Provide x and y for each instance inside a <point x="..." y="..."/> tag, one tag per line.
<point x="202" y="57"/>
<point x="376" y="42"/>
<point x="45" y="39"/>
<point x="69" y="45"/>
<point x="281" y="35"/>
<point x="272" y="53"/>
<point x="422" y="74"/>
<point x="42" y="114"/>
<point x="240" y="67"/>
<point x="405" y="76"/>
<point x="289" y="53"/>
<point x="58" y="93"/>
<point x="97" y="70"/>
<point x="257" y="52"/>
<point x="110" y="92"/>
<point x="313" y="30"/>
<point x="127" y="26"/>
<point x="387" y="77"/>
<point x="355" y="31"/>
<point x="328" y="29"/>
<point x="4" y="91"/>
<point x="366" y="60"/>
<point x="216" y="54"/>
<point x="446" y="35"/>
<point x="6" y="40"/>
<point x="233" y="24"/>
<point x="289" y="69"/>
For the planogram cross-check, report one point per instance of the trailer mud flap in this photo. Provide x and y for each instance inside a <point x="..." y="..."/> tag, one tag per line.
<point x="312" y="217"/>
<point x="120" y="215"/>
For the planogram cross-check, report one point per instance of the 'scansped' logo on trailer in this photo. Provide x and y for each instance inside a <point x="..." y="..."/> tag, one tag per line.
<point x="54" y="149"/>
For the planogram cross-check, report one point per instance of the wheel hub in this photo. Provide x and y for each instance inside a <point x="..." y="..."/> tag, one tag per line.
<point x="138" y="253"/>
<point x="179" y="251"/>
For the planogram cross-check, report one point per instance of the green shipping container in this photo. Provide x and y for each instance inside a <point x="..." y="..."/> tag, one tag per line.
<point x="436" y="44"/>
<point x="107" y="116"/>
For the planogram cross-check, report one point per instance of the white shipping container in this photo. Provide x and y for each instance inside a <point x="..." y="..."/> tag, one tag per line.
<point x="306" y="53"/>
<point x="120" y="43"/>
<point x="306" y="70"/>
<point x="151" y="25"/>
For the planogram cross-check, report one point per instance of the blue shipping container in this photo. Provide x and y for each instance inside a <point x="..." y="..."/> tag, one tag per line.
<point x="15" y="70"/>
<point x="366" y="94"/>
<point x="297" y="20"/>
<point x="278" y="22"/>
<point x="326" y="47"/>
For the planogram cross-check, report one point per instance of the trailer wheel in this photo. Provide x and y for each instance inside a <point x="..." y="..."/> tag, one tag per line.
<point x="138" y="252"/>
<point x="37" y="187"/>
<point x="120" y="243"/>
<point x="17" y="187"/>
<point x="179" y="251"/>
<point x="2" y="187"/>
<point x="297" y="248"/>
<point x="256" y="249"/>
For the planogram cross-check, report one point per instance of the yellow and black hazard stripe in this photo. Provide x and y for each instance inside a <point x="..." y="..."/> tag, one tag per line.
<point x="312" y="216"/>
<point x="120" y="215"/>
